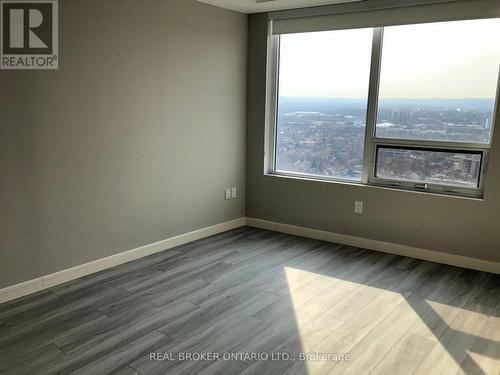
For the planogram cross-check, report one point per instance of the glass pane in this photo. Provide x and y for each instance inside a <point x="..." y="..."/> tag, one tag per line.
<point x="427" y="166"/>
<point x="322" y="100"/>
<point x="438" y="81"/>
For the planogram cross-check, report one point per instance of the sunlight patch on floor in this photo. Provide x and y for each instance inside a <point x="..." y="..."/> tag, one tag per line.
<point x="320" y="303"/>
<point x="334" y="316"/>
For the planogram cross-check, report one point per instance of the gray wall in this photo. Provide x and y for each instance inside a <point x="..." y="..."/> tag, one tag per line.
<point x="131" y="141"/>
<point x="445" y="224"/>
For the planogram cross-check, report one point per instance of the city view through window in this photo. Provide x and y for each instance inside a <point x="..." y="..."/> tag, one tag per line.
<point x="437" y="83"/>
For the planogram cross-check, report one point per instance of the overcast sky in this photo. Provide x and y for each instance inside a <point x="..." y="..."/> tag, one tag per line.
<point x="441" y="60"/>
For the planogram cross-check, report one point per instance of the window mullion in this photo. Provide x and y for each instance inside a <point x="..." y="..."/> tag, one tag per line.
<point x="447" y="145"/>
<point x="371" y="116"/>
<point x="271" y="101"/>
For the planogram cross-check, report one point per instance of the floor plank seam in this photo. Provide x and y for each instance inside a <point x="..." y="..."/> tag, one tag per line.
<point x="423" y="358"/>
<point x="135" y="369"/>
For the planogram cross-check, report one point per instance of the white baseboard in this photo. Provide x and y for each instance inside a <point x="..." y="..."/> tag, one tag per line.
<point x="386" y="247"/>
<point x="47" y="281"/>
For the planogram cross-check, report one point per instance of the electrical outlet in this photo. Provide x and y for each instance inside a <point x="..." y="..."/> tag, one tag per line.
<point x="227" y="194"/>
<point x="358" y="207"/>
<point x="233" y="192"/>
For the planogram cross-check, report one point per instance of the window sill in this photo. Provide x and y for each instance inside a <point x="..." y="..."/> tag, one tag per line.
<point x="356" y="184"/>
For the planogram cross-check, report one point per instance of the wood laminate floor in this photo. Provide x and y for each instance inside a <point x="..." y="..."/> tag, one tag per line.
<point x="269" y="303"/>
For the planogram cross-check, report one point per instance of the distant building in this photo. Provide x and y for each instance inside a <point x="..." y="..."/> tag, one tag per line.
<point x="487" y="123"/>
<point x="471" y="167"/>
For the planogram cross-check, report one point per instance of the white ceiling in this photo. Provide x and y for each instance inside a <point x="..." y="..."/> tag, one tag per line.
<point x="255" y="6"/>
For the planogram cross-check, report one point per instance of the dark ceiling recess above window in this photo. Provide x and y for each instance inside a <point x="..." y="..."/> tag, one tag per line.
<point x="376" y="13"/>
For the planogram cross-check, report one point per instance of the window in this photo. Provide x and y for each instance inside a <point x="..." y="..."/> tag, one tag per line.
<point x="438" y="81"/>
<point x="320" y="136"/>
<point x="427" y="166"/>
<point x="407" y="106"/>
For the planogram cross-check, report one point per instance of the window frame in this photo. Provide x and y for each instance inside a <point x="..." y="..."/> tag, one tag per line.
<point x="372" y="142"/>
<point x="427" y="186"/>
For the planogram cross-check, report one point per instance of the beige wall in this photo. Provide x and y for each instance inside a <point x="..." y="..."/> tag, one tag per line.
<point x="440" y="223"/>
<point x="131" y="141"/>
